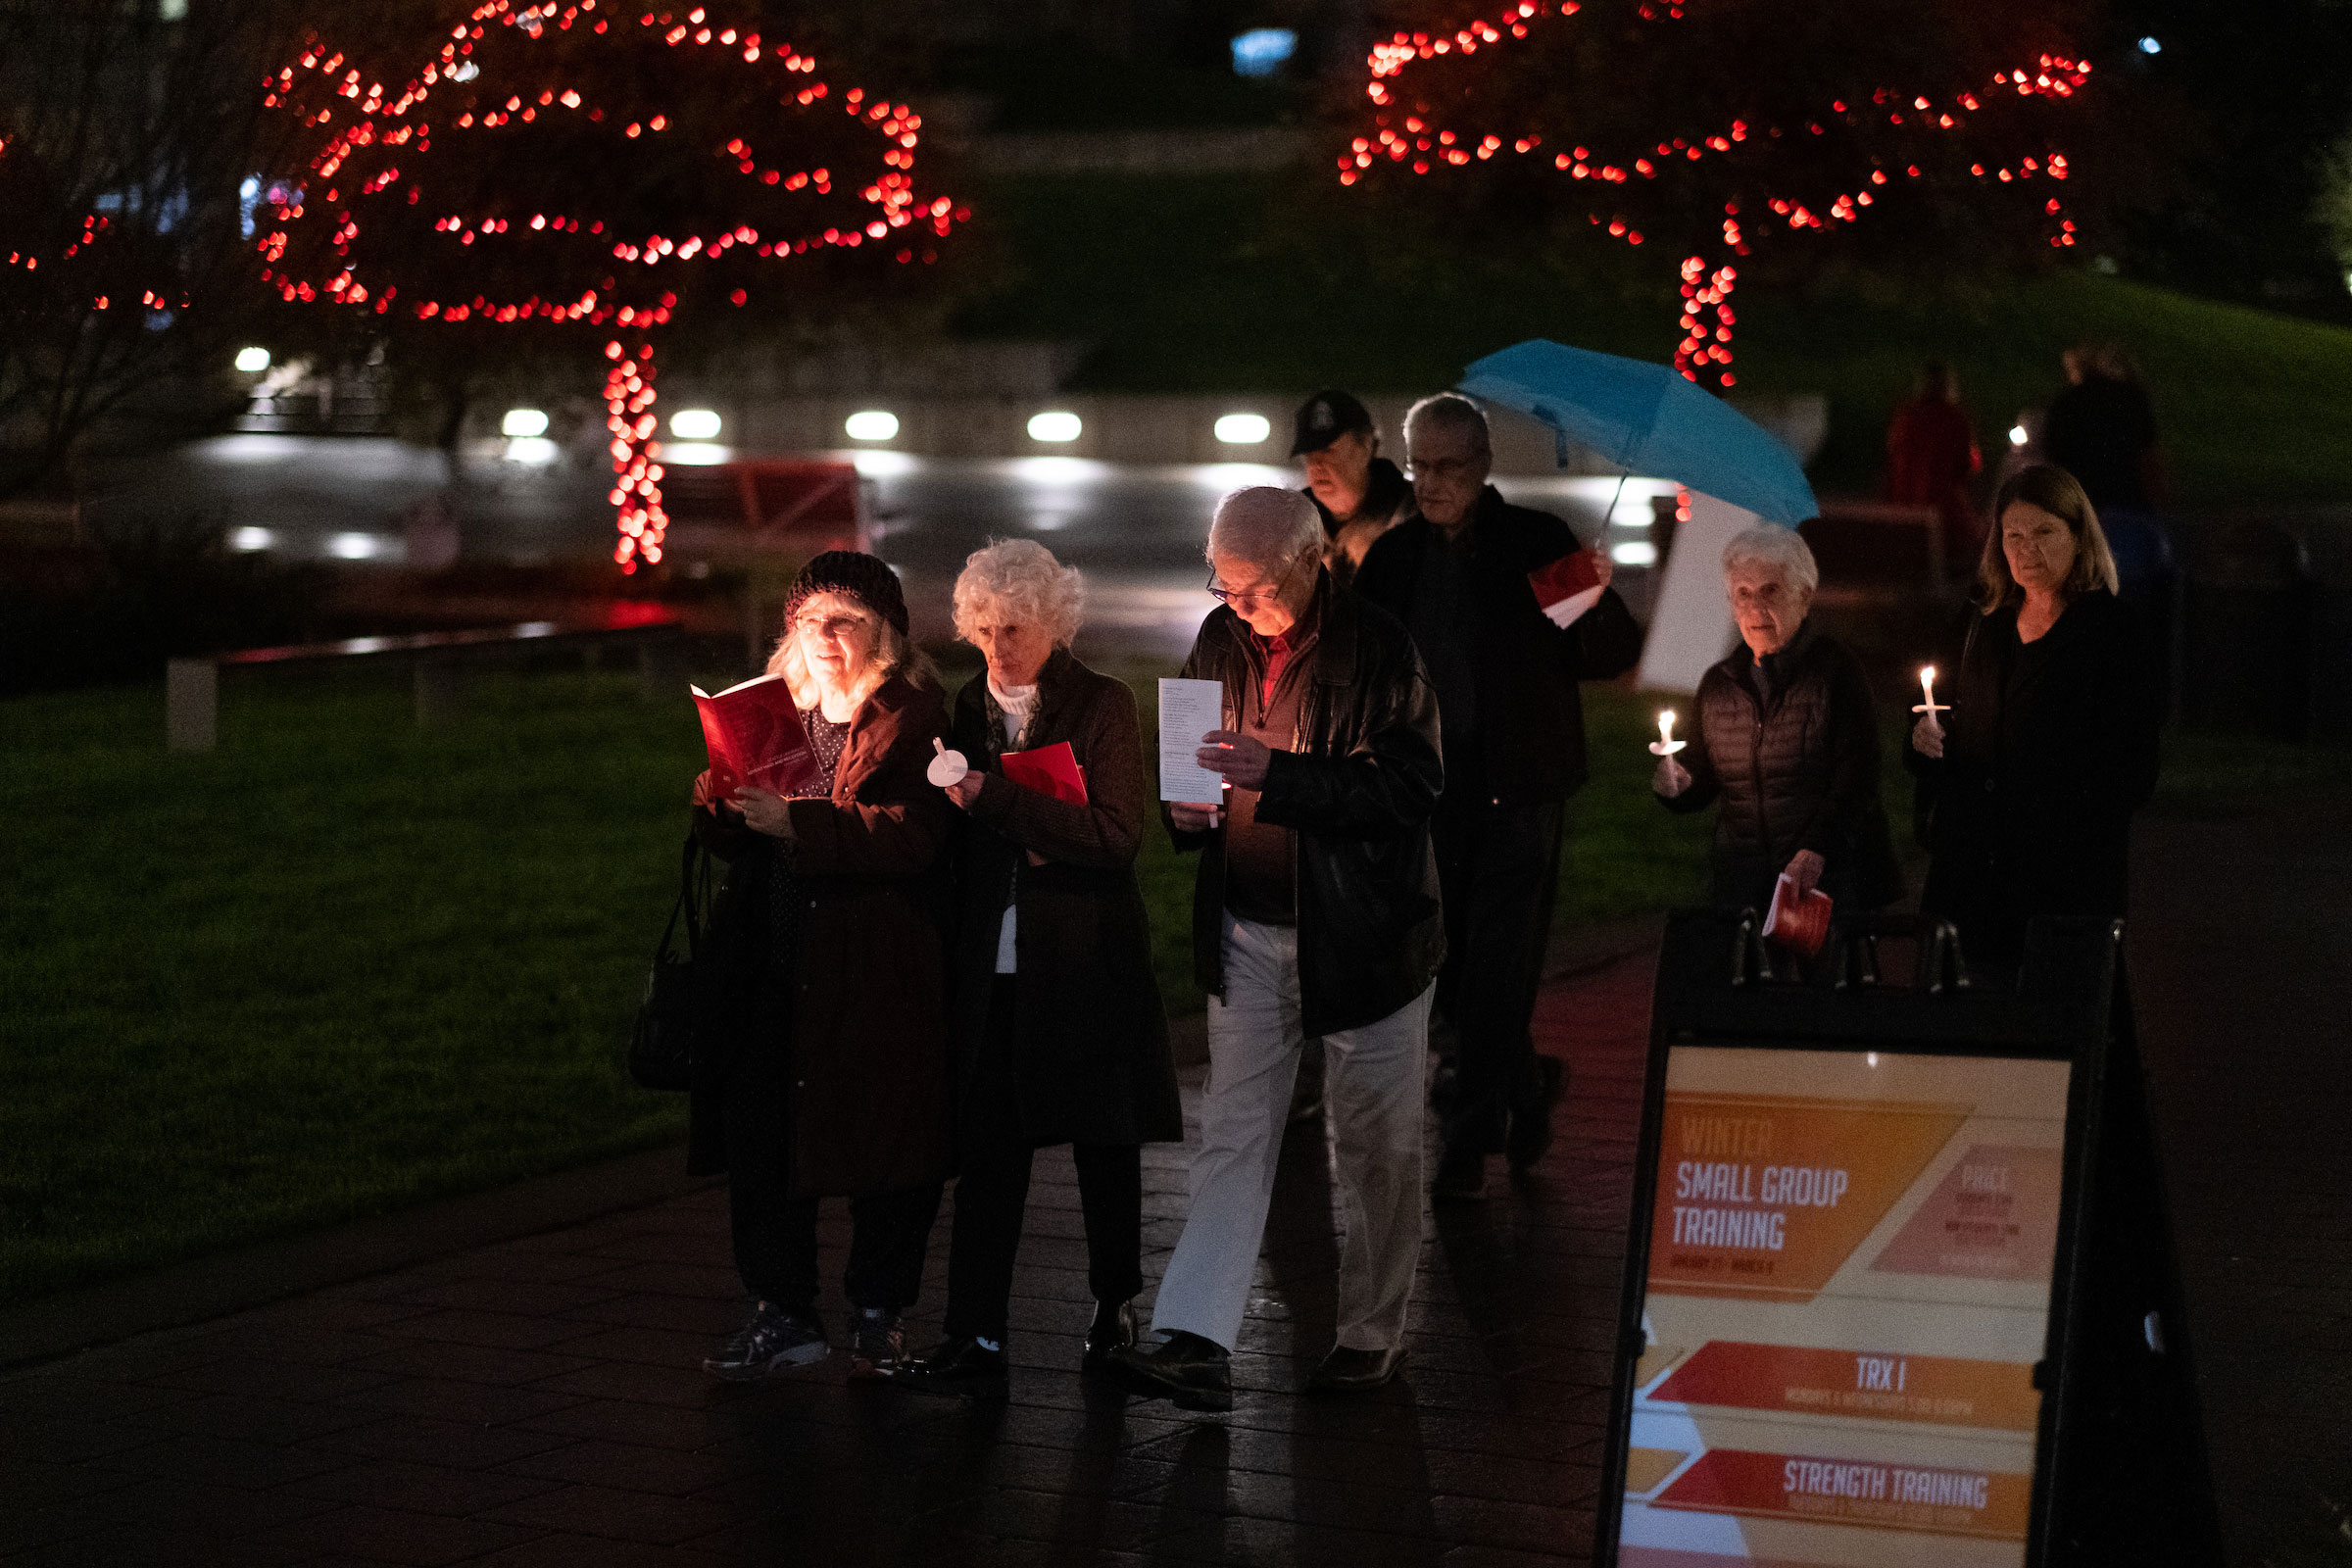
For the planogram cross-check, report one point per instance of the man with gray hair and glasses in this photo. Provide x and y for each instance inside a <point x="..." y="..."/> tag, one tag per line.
<point x="1315" y="913"/>
<point x="1506" y="670"/>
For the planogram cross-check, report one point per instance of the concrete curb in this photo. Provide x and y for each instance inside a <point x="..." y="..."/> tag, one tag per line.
<point x="208" y="1288"/>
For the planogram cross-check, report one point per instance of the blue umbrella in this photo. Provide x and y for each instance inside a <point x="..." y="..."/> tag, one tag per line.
<point x="1648" y="419"/>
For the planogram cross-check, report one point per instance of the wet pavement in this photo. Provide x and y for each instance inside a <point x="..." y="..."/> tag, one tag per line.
<point x="2241" y="951"/>
<point x="541" y="1402"/>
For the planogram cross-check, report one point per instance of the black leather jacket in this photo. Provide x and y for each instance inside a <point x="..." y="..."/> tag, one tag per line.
<point x="1355" y="788"/>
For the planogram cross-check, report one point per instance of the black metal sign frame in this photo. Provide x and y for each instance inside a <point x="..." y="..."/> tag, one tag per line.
<point x="2120" y="1471"/>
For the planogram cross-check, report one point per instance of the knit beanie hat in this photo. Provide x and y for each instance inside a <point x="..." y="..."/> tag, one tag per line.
<point x="866" y="578"/>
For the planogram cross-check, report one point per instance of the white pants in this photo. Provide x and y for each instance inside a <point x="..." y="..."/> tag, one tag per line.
<point x="1374" y="1079"/>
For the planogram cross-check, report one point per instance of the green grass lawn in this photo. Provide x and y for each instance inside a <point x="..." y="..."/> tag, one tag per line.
<point x="1208" y="284"/>
<point x="342" y="965"/>
<point x="338" y="967"/>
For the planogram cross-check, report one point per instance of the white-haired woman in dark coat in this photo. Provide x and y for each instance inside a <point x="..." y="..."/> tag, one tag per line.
<point x="1059" y="1036"/>
<point x="1786" y="744"/>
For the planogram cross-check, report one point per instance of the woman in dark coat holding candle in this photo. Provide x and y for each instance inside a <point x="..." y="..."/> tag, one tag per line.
<point x="1060" y="1033"/>
<point x="2031" y="780"/>
<point x="833" y="1080"/>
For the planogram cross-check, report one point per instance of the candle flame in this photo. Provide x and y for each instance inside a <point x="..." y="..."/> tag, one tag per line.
<point x="1666" y="725"/>
<point x="1926" y="675"/>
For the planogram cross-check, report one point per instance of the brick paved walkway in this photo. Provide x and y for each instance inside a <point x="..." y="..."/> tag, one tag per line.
<point x="2241" y="977"/>
<point x="542" y="1403"/>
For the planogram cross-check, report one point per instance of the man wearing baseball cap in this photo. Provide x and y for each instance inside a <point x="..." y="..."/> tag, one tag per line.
<point x="1358" y="492"/>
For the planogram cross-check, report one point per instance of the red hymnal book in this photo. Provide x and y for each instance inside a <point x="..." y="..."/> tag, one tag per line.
<point x="1802" y="925"/>
<point x="1573" y="580"/>
<point x="1051" y="771"/>
<point x="755" y="737"/>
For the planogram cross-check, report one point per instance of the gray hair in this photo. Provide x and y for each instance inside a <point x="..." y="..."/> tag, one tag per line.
<point x="1781" y="551"/>
<point x="1448" y="411"/>
<point x="1021" y="579"/>
<point x="1265" y="526"/>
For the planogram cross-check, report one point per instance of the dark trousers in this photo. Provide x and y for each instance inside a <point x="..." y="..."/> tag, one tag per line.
<point x="991" y="1193"/>
<point x="775" y="1232"/>
<point x="1499" y="870"/>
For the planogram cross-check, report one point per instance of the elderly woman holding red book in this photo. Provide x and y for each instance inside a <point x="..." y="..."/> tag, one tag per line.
<point x="831" y="1074"/>
<point x="1786" y="744"/>
<point x="1058" y="1030"/>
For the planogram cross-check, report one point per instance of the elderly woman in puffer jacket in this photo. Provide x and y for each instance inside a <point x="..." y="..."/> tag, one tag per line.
<point x="1786" y="743"/>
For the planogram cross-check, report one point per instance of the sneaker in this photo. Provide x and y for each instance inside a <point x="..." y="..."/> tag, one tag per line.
<point x="964" y="1365"/>
<point x="772" y="1340"/>
<point x="877" y="1345"/>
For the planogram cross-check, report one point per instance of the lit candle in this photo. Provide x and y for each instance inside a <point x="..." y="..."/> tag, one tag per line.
<point x="1927" y="689"/>
<point x="1666" y="745"/>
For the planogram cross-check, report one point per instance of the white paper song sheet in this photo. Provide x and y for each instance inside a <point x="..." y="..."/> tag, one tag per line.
<point x="1188" y="711"/>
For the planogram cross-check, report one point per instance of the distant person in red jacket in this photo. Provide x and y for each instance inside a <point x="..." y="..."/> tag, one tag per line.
<point x="1931" y="455"/>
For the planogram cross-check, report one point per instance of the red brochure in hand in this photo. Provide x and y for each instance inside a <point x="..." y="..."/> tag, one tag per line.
<point x="1568" y="587"/>
<point x="1801" y="926"/>
<point x="755" y="737"/>
<point x="1051" y="770"/>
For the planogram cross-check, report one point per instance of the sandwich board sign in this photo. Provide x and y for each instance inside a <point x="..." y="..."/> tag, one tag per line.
<point x="1899" y="1286"/>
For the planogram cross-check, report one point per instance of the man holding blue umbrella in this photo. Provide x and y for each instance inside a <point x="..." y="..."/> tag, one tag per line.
<point x="1511" y="720"/>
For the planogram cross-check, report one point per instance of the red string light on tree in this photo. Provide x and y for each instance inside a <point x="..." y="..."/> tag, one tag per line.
<point x="558" y="166"/>
<point x="89" y="251"/>
<point x="1742" y="166"/>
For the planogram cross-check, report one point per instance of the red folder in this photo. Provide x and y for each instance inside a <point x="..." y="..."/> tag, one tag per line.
<point x="755" y="737"/>
<point x="1574" y="579"/>
<point x="1801" y="926"/>
<point x="1051" y="771"/>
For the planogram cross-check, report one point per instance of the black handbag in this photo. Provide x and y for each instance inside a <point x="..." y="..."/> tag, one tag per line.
<point x="661" y="1049"/>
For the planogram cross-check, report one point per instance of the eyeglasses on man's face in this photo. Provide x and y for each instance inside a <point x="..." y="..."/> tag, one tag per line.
<point x="1442" y="469"/>
<point x="1249" y="598"/>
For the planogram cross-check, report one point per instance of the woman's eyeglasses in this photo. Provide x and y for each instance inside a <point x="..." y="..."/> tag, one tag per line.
<point x="831" y="629"/>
